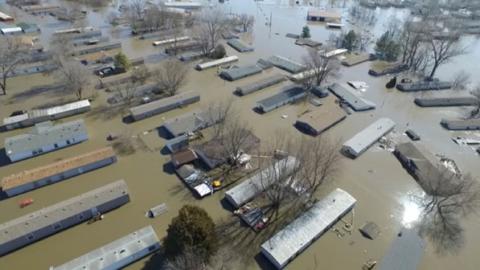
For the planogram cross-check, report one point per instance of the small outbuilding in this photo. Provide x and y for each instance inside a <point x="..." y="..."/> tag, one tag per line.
<point x="319" y="120"/>
<point x="322" y="15"/>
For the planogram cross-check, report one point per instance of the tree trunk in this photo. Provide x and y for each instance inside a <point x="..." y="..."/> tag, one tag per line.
<point x="435" y="66"/>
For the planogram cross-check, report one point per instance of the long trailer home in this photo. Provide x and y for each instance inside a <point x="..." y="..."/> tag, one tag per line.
<point x="45" y="137"/>
<point x="32" y="227"/>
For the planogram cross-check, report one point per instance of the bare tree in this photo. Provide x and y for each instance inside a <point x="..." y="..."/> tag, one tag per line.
<point x="62" y="46"/>
<point x="219" y="112"/>
<point x="475" y="113"/>
<point x="171" y="76"/>
<point x="140" y="74"/>
<point x="448" y="199"/>
<point x="318" y="69"/>
<point x="461" y="80"/>
<point x="135" y="13"/>
<point x="246" y="22"/>
<point x="76" y="77"/>
<point x="443" y="51"/>
<point x="11" y="55"/>
<point x="175" y="24"/>
<point x="126" y="92"/>
<point x="320" y="161"/>
<point x="210" y="26"/>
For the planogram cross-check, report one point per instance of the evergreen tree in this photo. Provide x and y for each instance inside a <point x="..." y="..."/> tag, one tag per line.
<point x="121" y="61"/>
<point x="306" y="32"/>
<point x="350" y="41"/>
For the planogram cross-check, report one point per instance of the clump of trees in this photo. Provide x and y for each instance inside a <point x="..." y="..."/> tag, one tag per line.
<point x="351" y="41"/>
<point x="387" y="47"/>
<point x="120" y="60"/>
<point x="191" y="239"/>
<point x="75" y="76"/>
<point x="320" y="68"/>
<point x="209" y="27"/>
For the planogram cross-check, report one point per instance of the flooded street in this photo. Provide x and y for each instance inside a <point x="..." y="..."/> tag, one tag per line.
<point x="377" y="180"/>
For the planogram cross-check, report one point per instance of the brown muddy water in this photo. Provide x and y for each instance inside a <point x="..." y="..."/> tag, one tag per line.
<point x="376" y="179"/>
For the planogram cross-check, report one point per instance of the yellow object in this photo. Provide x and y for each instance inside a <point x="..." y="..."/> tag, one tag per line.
<point x="217" y="183"/>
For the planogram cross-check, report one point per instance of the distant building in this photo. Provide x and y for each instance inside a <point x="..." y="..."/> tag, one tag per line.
<point x="45" y="137"/>
<point x="288" y="243"/>
<point x="321" y="119"/>
<point x="34" y="226"/>
<point x="117" y="254"/>
<point x="365" y="138"/>
<point x="321" y="15"/>
<point x="55" y="172"/>
<point x="5" y="18"/>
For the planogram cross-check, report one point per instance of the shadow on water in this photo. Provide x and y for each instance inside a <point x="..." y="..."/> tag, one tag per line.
<point x="168" y="168"/>
<point x="155" y="262"/>
<point x="53" y="90"/>
<point x="163" y="133"/>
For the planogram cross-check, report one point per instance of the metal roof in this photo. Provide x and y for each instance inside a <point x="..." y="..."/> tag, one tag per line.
<point x="299" y="234"/>
<point x="347" y="94"/>
<point x="189" y="122"/>
<point x="215" y="63"/>
<point x="290" y="94"/>
<point x="239" y="45"/>
<point x="459" y="124"/>
<point x="405" y="252"/>
<point x="324" y="117"/>
<point x="45" y="133"/>
<point x="261" y="84"/>
<point x="117" y="253"/>
<point x="53" y="214"/>
<point x="286" y="64"/>
<point x="236" y="73"/>
<point x="248" y="189"/>
<point x="365" y="138"/>
<point x="55" y="168"/>
<point x="166" y="103"/>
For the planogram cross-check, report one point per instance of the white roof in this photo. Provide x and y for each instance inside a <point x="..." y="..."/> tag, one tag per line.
<point x="117" y="253"/>
<point x="335" y="52"/>
<point x="225" y="60"/>
<point x="183" y="4"/>
<point x="171" y="40"/>
<point x="304" y="74"/>
<point x="299" y="234"/>
<point x="248" y="189"/>
<point x="11" y="30"/>
<point x="365" y="138"/>
<point x="203" y="190"/>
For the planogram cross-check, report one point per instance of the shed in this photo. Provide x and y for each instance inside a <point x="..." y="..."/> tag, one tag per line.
<point x="367" y="137"/>
<point x="288" y="243"/>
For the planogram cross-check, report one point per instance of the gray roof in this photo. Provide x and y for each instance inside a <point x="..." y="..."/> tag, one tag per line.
<point x="164" y="104"/>
<point x="347" y="94"/>
<point x="239" y="45"/>
<point x="405" y="252"/>
<point x="259" y="85"/>
<point x="236" y="73"/>
<point x="248" y="189"/>
<point x="50" y="215"/>
<point x="365" y="138"/>
<point x="288" y="95"/>
<point x="459" y="124"/>
<point x="44" y="134"/>
<point x="286" y="64"/>
<point x="116" y="254"/>
<point x="424" y="85"/>
<point x="299" y="234"/>
<point x="447" y="101"/>
<point x="189" y="122"/>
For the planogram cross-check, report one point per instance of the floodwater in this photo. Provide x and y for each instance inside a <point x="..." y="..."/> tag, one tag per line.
<point x="381" y="186"/>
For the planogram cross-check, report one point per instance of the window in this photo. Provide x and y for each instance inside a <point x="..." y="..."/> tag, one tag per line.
<point x="68" y="141"/>
<point x="55" y="145"/>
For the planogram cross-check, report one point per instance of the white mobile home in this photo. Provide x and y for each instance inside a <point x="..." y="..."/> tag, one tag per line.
<point x="216" y="63"/>
<point x="118" y="253"/>
<point x="169" y="41"/>
<point x="45" y="137"/>
<point x="250" y="188"/>
<point x="365" y="138"/>
<point x="11" y="30"/>
<point x="284" y="246"/>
